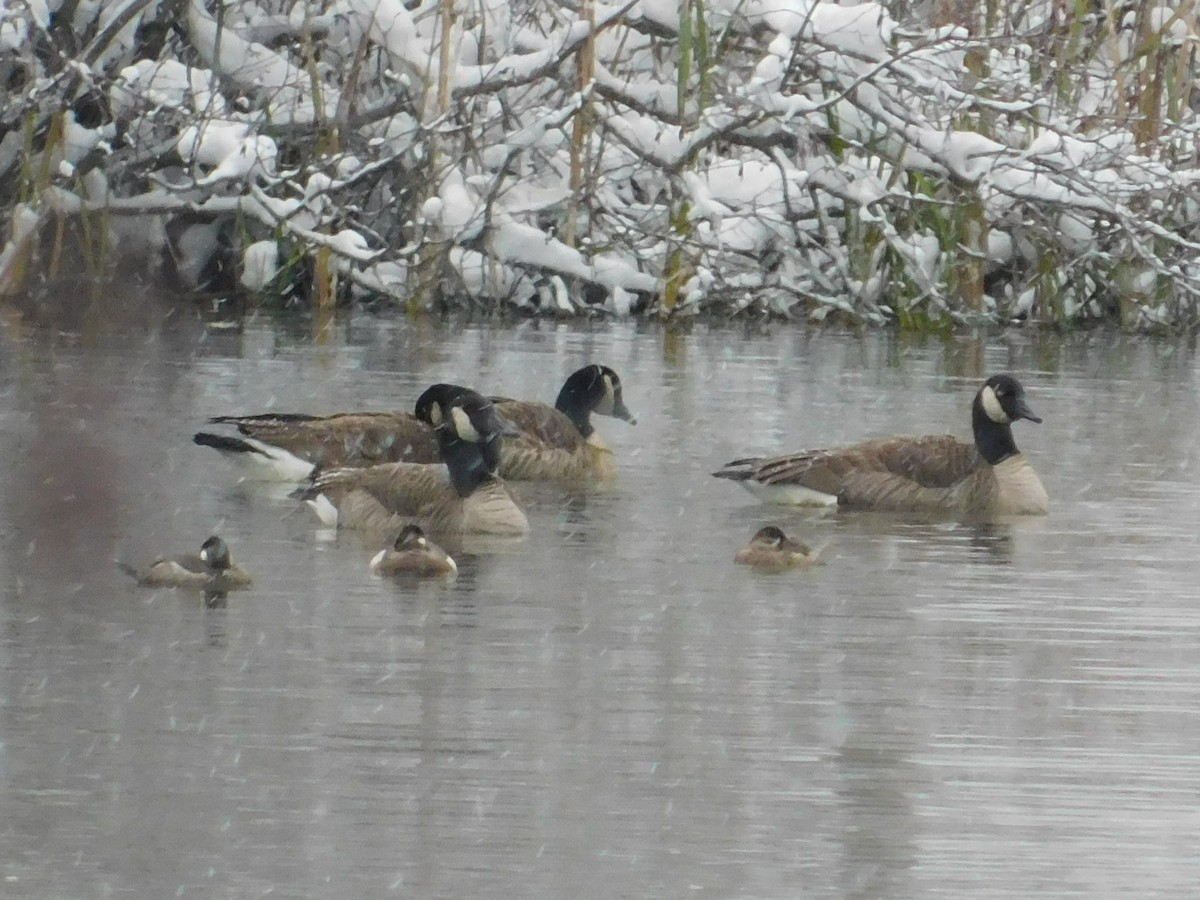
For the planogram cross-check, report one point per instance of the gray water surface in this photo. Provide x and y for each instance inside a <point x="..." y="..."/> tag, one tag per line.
<point x="611" y="708"/>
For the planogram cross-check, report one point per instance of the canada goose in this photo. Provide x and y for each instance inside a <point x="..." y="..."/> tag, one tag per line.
<point x="935" y="473"/>
<point x="413" y="554"/>
<point x="559" y="442"/>
<point x="461" y="495"/>
<point x="772" y="550"/>
<point x="288" y="446"/>
<point x="212" y="570"/>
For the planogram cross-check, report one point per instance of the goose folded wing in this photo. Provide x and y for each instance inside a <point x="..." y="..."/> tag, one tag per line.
<point x="345" y="439"/>
<point x="405" y="489"/>
<point x="540" y="425"/>
<point x="932" y="461"/>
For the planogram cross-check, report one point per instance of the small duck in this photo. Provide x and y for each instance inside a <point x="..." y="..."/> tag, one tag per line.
<point x="212" y="570"/>
<point x="462" y="495"/>
<point x="559" y="443"/>
<point x="772" y="550"/>
<point x="413" y="554"/>
<point x="932" y="474"/>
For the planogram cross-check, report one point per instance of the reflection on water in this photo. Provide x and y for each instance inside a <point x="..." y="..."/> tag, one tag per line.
<point x="610" y="708"/>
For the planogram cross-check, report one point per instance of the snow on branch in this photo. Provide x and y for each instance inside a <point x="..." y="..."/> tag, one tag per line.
<point x="779" y="157"/>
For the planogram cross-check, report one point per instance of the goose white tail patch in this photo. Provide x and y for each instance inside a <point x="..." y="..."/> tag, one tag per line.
<point x="325" y="510"/>
<point x="991" y="405"/>
<point x="377" y="560"/>
<point x="788" y="494"/>
<point x="276" y="464"/>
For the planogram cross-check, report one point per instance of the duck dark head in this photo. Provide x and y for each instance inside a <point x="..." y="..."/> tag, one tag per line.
<point x="770" y="536"/>
<point x="999" y="403"/>
<point x="592" y="389"/>
<point x="215" y="553"/>
<point x="411" y="537"/>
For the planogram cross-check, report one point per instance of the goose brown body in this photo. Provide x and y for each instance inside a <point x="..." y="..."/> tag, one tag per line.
<point x="934" y="473"/>
<point x="551" y="448"/>
<point x="560" y="443"/>
<point x="382" y="497"/>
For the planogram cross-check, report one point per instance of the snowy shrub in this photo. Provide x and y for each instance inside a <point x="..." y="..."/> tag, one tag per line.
<point x="926" y="164"/>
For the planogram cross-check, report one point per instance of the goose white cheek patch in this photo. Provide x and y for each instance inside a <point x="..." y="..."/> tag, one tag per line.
<point x="991" y="406"/>
<point x="462" y="425"/>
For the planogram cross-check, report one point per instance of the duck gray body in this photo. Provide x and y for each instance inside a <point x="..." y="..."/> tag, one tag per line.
<point x="212" y="570"/>
<point x="413" y="554"/>
<point x="771" y="550"/>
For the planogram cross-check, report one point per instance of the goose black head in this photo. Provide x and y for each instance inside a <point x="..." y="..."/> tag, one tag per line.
<point x="999" y="403"/>
<point x="592" y="389"/>
<point x="1002" y="399"/>
<point x="459" y="413"/>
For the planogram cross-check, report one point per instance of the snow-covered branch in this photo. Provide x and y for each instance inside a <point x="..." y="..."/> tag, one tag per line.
<point x="807" y="158"/>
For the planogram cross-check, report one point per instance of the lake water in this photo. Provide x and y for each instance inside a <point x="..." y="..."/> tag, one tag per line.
<point x="612" y="708"/>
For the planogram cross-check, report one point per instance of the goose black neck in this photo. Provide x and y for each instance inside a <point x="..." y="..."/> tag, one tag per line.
<point x="467" y="461"/>
<point x="993" y="439"/>
<point x="574" y="405"/>
<point x="489" y="449"/>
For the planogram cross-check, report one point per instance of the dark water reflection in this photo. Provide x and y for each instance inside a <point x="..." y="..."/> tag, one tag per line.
<point x="610" y="709"/>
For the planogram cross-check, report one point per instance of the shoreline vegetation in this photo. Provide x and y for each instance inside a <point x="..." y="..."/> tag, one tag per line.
<point x="928" y="165"/>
